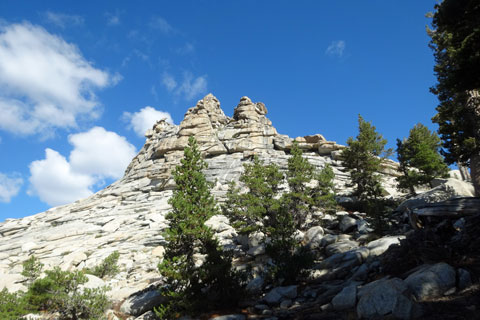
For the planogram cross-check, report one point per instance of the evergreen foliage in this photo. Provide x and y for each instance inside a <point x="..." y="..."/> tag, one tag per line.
<point x="248" y="210"/>
<point x="363" y="158"/>
<point x="61" y="291"/>
<point x="13" y="305"/>
<point x="301" y="198"/>
<point x="261" y="207"/>
<point x="193" y="288"/>
<point x="325" y="193"/>
<point x="420" y="160"/>
<point x="32" y="268"/>
<point x="455" y="39"/>
<point x="108" y="267"/>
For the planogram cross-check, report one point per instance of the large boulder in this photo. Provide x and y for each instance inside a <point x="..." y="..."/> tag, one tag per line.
<point x="383" y="297"/>
<point x="450" y="188"/>
<point x="431" y="280"/>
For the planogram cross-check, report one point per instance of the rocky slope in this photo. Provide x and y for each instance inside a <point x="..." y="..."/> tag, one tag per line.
<point x="128" y="216"/>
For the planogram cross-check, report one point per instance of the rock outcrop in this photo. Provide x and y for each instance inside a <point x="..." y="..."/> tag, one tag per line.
<point x="129" y="215"/>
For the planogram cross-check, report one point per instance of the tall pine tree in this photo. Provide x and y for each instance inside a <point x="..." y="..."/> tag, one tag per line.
<point x="419" y="157"/>
<point x="363" y="158"/>
<point x="193" y="288"/>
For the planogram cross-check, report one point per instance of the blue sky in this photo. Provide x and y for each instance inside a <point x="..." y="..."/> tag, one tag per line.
<point x="81" y="80"/>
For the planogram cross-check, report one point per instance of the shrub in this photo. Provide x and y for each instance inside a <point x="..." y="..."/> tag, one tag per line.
<point x="108" y="267"/>
<point x="32" y="268"/>
<point x="13" y="305"/>
<point x="61" y="291"/>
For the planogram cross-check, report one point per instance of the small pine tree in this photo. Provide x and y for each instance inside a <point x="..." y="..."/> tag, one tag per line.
<point x="32" y="268"/>
<point x="325" y="194"/>
<point x="363" y="158"/>
<point x="193" y="288"/>
<point x="261" y="208"/>
<point x="420" y="160"/>
<point x="108" y="267"/>
<point x="301" y="198"/>
<point x="248" y="211"/>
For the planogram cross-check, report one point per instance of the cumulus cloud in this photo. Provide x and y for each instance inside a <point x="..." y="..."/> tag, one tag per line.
<point x="113" y="19"/>
<point x="45" y="82"/>
<point x="55" y="182"/>
<point x="162" y="25"/>
<point x="189" y="88"/>
<point x="9" y="186"/>
<point x="97" y="154"/>
<point x="62" y="20"/>
<point x="144" y="119"/>
<point x="336" y="48"/>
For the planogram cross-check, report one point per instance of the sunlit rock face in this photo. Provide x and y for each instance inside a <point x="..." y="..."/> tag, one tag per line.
<point x="129" y="215"/>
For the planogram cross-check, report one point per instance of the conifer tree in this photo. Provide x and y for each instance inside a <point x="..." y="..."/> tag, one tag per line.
<point x="420" y="161"/>
<point x="325" y="194"/>
<point x="300" y="198"/>
<point x="194" y="288"/>
<point x="363" y="158"/>
<point x="248" y="210"/>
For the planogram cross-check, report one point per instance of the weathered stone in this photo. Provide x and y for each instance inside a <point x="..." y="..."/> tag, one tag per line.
<point x="431" y="280"/>
<point x="313" y="237"/>
<point x="274" y="296"/>
<point x="346" y="298"/>
<point x="141" y="302"/>
<point x="347" y="223"/>
<point x="230" y="317"/>
<point x="386" y="296"/>
<point x="379" y="246"/>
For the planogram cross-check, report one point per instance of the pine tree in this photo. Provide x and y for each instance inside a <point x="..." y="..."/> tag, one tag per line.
<point x="249" y="210"/>
<point x="261" y="208"/>
<point x="420" y="161"/>
<point x="193" y="288"/>
<point x="300" y="199"/>
<point x="325" y="194"/>
<point x="455" y="39"/>
<point x="363" y="158"/>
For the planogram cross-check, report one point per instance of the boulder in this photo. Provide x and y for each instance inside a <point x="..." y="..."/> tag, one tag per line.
<point x="386" y="296"/>
<point x="313" y="237"/>
<point x="450" y="188"/>
<point x="340" y="247"/>
<point x="276" y="295"/>
<point x="141" y="302"/>
<point x="431" y="280"/>
<point x="347" y="223"/>
<point x="379" y="246"/>
<point x="346" y="298"/>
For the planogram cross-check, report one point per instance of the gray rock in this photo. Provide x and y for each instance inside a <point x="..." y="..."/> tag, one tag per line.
<point x="346" y="298"/>
<point x="255" y="285"/>
<point x="347" y="223"/>
<point x="150" y="315"/>
<point x="379" y="246"/>
<point x="386" y="296"/>
<point x="431" y="280"/>
<point x="464" y="279"/>
<point x="313" y="237"/>
<point x="451" y="188"/>
<point x="230" y="317"/>
<point x="139" y="303"/>
<point x="285" y="304"/>
<point x="274" y="296"/>
<point x="340" y="247"/>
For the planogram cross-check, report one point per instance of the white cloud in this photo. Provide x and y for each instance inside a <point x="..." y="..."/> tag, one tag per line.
<point x="144" y="119"/>
<point x="189" y="88"/>
<point x="9" y="186"/>
<point x="62" y="20"/>
<point x="336" y="48"/>
<point x="97" y="154"/>
<point x="113" y="19"/>
<point x="162" y="25"/>
<point x="169" y="82"/>
<point x="55" y="182"/>
<point x="45" y="82"/>
<point x="100" y="153"/>
<point x="186" y="49"/>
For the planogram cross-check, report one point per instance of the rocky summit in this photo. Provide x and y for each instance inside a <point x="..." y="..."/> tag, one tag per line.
<point x="129" y="217"/>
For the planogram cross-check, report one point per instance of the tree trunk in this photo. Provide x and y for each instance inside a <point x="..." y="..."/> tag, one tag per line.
<point x="475" y="172"/>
